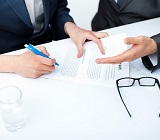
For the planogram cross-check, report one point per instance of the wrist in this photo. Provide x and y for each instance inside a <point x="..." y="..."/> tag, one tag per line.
<point x="69" y="27"/>
<point x="154" y="46"/>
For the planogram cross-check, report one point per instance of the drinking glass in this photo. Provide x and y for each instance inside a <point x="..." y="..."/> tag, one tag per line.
<point x="11" y="108"/>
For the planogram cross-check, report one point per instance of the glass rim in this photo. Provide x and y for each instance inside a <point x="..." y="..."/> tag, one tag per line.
<point x="11" y="101"/>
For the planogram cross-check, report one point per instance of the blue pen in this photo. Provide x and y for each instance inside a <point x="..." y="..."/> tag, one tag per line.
<point x="36" y="51"/>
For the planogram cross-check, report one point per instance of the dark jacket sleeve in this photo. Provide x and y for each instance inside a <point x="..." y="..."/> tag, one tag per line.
<point x="61" y="16"/>
<point x="156" y="38"/>
<point x="145" y="59"/>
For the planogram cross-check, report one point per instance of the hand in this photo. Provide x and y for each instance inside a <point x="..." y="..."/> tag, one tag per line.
<point x="141" y="46"/>
<point x="31" y="65"/>
<point x="79" y="36"/>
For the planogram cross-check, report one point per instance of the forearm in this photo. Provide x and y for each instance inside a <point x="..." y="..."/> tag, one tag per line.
<point x="7" y="63"/>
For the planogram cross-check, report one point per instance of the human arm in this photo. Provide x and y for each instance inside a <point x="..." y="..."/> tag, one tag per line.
<point x="63" y="25"/>
<point x="27" y="64"/>
<point x="79" y="36"/>
<point x="140" y="46"/>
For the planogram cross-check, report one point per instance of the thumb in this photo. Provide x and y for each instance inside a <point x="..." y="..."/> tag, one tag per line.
<point x="132" y="40"/>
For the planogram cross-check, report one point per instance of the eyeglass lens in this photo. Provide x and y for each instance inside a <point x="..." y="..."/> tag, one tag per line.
<point x="142" y="81"/>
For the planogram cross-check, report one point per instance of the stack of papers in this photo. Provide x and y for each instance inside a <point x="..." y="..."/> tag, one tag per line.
<point x="85" y="69"/>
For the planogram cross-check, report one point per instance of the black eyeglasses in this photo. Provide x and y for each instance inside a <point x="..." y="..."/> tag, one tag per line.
<point x="128" y="82"/>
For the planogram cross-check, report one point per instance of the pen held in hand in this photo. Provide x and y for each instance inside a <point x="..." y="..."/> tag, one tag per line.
<point x="38" y="52"/>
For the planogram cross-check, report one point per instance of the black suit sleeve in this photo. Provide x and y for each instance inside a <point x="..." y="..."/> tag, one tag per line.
<point x="147" y="62"/>
<point x="156" y="38"/>
<point x="61" y="16"/>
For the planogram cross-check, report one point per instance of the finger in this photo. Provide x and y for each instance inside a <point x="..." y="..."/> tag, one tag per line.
<point x="133" y="40"/>
<point x="97" y="41"/>
<point x="80" y="49"/>
<point x="43" y="49"/>
<point x="40" y="73"/>
<point x="100" y="34"/>
<point x="46" y="68"/>
<point x="45" y="61"/>
<point x="126" y="56"/>
<point x="109" y="60"/>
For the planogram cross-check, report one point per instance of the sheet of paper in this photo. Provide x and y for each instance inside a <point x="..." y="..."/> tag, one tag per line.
<point x="85" y="69"/>
<point x="137" y="68"/>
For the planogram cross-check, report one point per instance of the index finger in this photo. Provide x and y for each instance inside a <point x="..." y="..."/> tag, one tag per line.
<point x="43" y="50"/>
<point x="111" y="60"/>
<point x="99" y="43"/>
<point x="46" y="61"/>
<point x="126" y="56"/>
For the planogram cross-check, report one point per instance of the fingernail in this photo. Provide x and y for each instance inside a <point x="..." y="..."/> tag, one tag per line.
<point x="78" y="55"/>
<point x="98" y="61"/>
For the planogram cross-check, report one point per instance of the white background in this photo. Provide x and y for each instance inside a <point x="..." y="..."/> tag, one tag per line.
<point x="83" y="11"/>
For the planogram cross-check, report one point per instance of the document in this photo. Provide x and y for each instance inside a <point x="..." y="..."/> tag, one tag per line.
<point x="85" y="69"/>
<point x="137" y="68"/>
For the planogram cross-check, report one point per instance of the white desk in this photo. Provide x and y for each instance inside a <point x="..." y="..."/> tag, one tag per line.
<point x="58" y="110"/>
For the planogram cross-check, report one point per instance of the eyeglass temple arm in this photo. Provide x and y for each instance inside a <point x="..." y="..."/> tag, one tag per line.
<point x="123" y="102"/>
<point x="157" y="81"/>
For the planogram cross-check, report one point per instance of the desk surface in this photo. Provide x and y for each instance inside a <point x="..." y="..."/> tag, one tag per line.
<point x="58" y="110"/>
